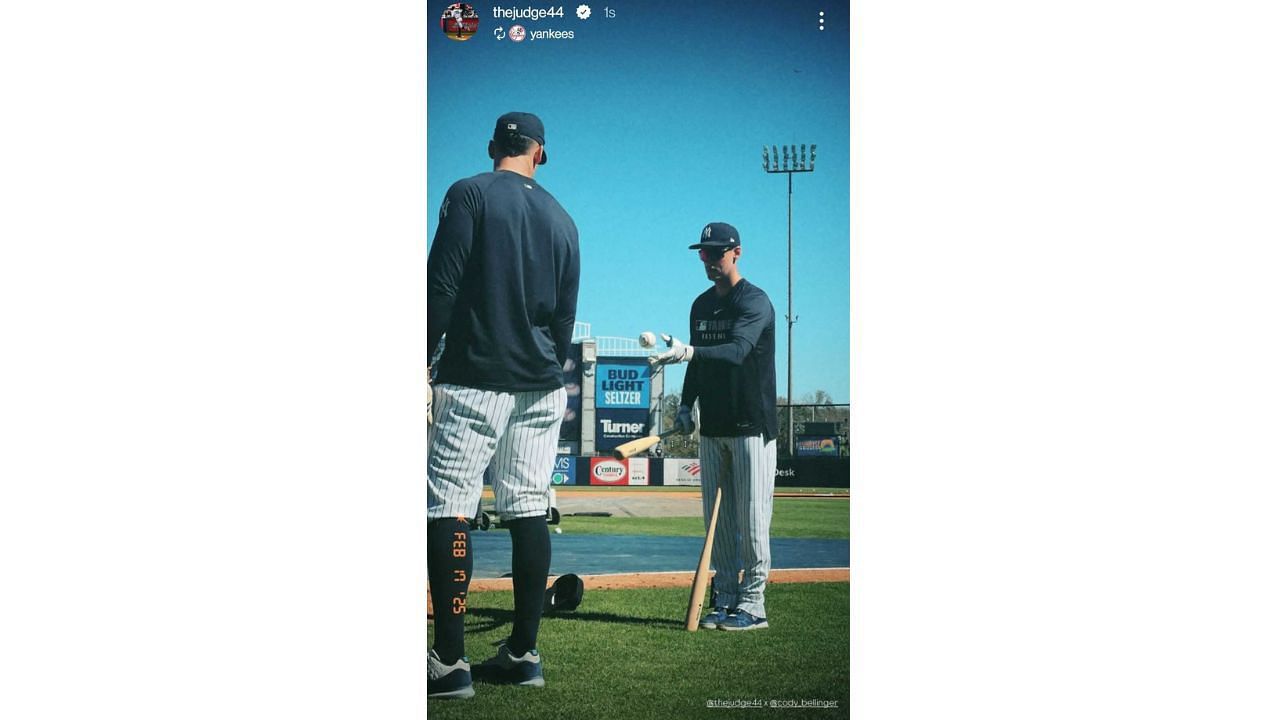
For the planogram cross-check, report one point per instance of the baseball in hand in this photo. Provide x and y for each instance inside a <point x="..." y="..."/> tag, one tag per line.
<point x="648" y="339"/>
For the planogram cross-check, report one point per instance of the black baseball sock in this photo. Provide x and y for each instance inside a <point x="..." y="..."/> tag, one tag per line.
<point x="449" y="571"/>
<point x="530" y="561"/>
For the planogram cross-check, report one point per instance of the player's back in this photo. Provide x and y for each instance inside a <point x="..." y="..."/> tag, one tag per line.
<point x="511" y="307"/>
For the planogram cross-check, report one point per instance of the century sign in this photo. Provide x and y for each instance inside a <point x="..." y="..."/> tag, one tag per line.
<point x="607" y="471"/>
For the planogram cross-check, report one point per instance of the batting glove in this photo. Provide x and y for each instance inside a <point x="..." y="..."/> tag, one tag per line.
<point x="684" y="421"/>
<point x="430" y="393"/>
<point x="678" y="353"/>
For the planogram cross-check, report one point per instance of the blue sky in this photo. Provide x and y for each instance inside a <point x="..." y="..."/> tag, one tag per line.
<point x="655" y="119"/>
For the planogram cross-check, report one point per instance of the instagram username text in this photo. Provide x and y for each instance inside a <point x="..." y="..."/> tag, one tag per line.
<point x="528" y="13"/>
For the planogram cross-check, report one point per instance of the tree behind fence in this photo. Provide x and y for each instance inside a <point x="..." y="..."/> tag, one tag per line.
<point x="820" y="410"/>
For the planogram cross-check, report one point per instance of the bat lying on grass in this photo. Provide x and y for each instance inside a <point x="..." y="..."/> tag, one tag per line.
<point x="635" y="447"/>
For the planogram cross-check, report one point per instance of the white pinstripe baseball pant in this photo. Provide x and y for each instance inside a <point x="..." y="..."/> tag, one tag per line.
<point x="512" y="435"/>
<point x="743" y="468"/>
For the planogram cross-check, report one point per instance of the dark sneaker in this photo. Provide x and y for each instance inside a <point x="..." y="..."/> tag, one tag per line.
<point x="717" y="616"/>
<point x="507" y="669"/>
<point x="743" y="620"/>
<point x="448" y="681"/>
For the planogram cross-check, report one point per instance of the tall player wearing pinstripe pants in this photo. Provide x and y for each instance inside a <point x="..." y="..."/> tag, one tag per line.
<point x="502" y="281"/>
<point x="731" y="376"/>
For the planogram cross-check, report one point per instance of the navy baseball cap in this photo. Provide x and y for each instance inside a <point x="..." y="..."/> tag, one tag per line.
<point x="718" y="235"/>
<point x="522" y="123"/>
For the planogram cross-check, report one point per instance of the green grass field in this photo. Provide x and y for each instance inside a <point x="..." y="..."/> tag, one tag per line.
<point x="624" y="654"/>
<point x="792" y="518"/>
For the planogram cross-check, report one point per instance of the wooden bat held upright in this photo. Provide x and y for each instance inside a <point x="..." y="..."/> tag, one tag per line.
<point x="635" y="447"/>
<point x="704" y="570"/>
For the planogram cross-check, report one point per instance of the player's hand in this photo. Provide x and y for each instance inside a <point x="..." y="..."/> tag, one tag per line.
<point x="430" y="393"/>
<point x="678" y="353"/>
<point x="684" y="421"/>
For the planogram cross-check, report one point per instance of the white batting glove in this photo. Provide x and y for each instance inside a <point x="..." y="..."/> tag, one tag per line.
<point x="678" y="353"/>
<point x="684" y="421"/>
<point x="430" y="393"/>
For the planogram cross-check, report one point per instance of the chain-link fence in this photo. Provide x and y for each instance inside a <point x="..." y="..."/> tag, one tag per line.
<point x="819" y="430"/>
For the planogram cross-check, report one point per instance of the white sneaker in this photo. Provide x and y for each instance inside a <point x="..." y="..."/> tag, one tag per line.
<point x="448" y="681"/>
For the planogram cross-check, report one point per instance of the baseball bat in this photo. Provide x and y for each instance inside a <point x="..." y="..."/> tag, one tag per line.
<point x="704" y="570"/>
<point x="635" y="447"/>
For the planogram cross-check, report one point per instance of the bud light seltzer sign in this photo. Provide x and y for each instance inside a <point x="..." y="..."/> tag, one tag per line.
<point x="621" y="384"/>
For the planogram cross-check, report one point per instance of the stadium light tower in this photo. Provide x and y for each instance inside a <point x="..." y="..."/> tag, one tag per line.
<point x="793" y="162"/>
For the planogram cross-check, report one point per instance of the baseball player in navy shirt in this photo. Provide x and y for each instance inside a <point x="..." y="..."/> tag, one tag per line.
<point x="502" y="290"/>
<point x="731" y="376"/>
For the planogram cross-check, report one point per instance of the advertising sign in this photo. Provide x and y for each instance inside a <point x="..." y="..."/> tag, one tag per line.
<point x="681" y="471"/>
<point x="614" y="427"/>
<point x="565" y="470"/>
<point x="607" y="471"/>
<point x="623" y="383"/>
<point x="638" y="471"/>
<point x="817" y="446"/>
<point x="813" y="472"/>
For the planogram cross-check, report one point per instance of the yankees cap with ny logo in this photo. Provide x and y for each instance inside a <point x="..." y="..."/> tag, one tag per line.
<point x="718" y="235"/>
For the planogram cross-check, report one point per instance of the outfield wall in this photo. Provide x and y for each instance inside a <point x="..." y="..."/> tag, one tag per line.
<point x="830" y="472"/>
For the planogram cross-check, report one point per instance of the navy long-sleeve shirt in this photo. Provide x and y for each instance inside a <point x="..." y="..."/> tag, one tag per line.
<point x="732" y="370"/>
<point x="502" y="282"/>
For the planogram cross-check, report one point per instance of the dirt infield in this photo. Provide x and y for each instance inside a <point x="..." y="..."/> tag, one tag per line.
<point x="649" y="503"/>
<point x="631" y="504"/>
<point x="625" y="581"/>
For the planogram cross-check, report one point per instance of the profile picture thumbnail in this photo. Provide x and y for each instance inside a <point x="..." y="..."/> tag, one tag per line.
<point x="459" y="22"/>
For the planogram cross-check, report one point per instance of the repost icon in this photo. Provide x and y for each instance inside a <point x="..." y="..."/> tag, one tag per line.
<point x="499" y="33"/>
